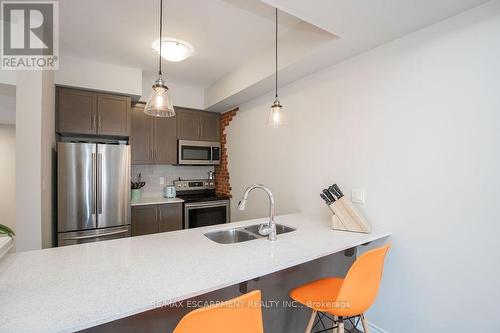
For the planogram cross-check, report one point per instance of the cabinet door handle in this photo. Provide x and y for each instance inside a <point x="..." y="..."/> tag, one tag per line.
<point x="201" y="130"/>
<point x="159" y="209"/>
<point x="99" y="125"/>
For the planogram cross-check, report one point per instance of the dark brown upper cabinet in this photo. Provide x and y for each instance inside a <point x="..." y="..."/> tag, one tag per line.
<point x="197" y="125"/>
<point x="151" y="219"/>
<point x="113" y="115"/>
<point x="76" y="111"/>
<point x="209" y="126"/>
<point x="165" y="140"/>
<point x="92" y="113"/>
<point x="141" y="136"/>
<point x="153" y="140"/>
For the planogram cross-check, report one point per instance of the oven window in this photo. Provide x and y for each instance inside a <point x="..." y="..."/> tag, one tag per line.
<point x="194" y="153"/>
<point x="201" y="217"/>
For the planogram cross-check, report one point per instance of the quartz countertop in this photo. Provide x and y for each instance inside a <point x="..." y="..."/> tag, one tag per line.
<point x="75" y="287"/>
<point x="154" y="201"/>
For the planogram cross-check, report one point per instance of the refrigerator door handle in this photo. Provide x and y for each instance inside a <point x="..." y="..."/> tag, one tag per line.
<point x="94" y="184"/>
<point x="99" y="183"/>
<point x="96" y="236"/>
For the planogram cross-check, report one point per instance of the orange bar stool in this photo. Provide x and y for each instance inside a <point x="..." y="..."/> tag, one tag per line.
<point x="346" y="298"/>
<point x="242" y="314"/>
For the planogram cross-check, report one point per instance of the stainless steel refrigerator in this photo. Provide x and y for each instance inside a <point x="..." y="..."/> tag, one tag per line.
<point x="93" y="192"/>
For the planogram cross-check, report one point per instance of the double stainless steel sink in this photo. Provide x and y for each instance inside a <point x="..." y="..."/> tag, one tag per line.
<point x="243" y="234"/>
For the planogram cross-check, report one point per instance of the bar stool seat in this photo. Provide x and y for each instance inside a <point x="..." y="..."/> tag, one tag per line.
<point x="313" y="294"/>
<point x="348" y="297"/>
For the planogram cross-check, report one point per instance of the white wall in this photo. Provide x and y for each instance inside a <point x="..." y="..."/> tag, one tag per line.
<point x="34" y="138"/>
<point x="48" y="160"/>
<point x="28" y="160"/>
<point x="87" y="74"/>
<point x="182" y="95"/>
<point x="416" y="123"/>
<point x="8" y="175"/>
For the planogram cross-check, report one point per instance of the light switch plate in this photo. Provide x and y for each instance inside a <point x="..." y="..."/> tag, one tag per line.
<point x="358" y="195"/>
<point x="162" y="180"/>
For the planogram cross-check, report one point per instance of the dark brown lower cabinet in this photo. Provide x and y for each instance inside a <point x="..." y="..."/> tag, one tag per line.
<point x="151" y="219"/>
<point x="143" y="220"/>
<point x="170" y="218"/>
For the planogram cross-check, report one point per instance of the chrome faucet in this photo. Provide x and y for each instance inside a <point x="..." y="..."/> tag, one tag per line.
<point x="268" y="230"/>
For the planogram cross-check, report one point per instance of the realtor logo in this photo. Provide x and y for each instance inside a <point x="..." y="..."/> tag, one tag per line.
<point x="30" y="35"/>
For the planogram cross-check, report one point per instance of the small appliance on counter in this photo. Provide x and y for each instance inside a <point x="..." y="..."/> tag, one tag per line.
<point x="202" y="207"/>
<point x="169" y="192"/>
<point x="345" y="216"/>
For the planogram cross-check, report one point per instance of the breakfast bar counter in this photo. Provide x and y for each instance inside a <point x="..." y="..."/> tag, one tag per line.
<point x="76" y="287"/>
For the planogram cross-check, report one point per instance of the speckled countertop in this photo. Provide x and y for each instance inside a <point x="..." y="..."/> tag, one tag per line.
<point x="75" y="287"/>
<point x="154" y="201"/>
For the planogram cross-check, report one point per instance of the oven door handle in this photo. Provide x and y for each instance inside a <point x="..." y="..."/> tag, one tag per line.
<point x="207" y="204"/>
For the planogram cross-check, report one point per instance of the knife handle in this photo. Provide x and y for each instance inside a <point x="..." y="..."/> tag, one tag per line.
<point x="328" y="195"/>
<point x="324" y="197"/>
<point x="336" y="187"/>
<point x="333" y="192"/>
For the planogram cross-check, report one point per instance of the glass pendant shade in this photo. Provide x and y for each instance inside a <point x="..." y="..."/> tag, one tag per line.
<point x="160" y="103"/>
<point x="276" y="117"/>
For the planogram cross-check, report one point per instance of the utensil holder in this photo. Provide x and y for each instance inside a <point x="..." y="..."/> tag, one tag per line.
<point x="135" y="194"/>
<point x="348" y="218"/>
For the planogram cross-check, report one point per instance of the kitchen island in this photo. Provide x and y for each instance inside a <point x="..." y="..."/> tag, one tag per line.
<point x="77" y="287"/>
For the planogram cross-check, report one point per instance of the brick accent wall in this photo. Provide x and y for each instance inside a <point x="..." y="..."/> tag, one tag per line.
<point x="222" y="185"/>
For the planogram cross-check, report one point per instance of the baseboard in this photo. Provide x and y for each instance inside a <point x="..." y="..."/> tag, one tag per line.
<point x="373" y="328"/>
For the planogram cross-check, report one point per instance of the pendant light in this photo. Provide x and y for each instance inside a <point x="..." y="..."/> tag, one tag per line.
<point x="160" y="103"/>
<point x="275" y="119"/>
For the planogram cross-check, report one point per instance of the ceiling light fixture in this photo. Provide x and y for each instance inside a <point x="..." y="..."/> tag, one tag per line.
<point x="276" y="119"/>
<point x="160" y="103"/>
<point x="173" y="49"/>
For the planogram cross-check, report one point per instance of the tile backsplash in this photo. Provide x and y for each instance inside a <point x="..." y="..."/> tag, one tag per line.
<point x="151" y="175"/>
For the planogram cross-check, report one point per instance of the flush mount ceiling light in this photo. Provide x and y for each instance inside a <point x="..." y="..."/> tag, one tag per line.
<point x="160" y="104"/>
<point x="276" y="119"/>
<point x="173" y="49"/>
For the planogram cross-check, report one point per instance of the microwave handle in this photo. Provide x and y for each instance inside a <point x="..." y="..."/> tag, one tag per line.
<point x="211" y="153"/>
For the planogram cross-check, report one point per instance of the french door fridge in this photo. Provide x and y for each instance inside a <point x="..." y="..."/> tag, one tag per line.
<point x="93" y="192"/>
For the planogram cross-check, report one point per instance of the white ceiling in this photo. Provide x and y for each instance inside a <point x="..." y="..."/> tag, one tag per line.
<point x="360" y="25"/>
<point x="233" y="39"/>
<point x="375" y="19"/>
<point x="224" y="33"/>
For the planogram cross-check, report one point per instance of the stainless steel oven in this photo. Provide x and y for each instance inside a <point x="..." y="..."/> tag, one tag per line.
<point x="202" y="214"/>
<point x="202" y="207"/>
<point x="198" y="152"/>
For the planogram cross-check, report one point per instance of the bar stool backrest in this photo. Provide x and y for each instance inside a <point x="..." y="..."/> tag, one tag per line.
<point x="242" y="314"/>
<point x="361" y="284"/>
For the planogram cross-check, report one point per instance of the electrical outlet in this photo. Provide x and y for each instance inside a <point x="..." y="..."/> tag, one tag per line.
<point x="162" y="180"/>
<point x="358" y="195"/>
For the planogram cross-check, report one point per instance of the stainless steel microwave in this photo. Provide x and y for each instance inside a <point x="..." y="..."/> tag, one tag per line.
<point x="198" y="152"/>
